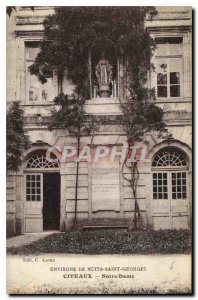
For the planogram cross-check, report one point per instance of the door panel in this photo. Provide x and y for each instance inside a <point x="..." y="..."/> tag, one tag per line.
<point x="161" y="206"/>
<point x="34" y="203"/>
<point x="34" y="224"/>
<point x="173" y="212"/>
<point x="180" y="205"/>
<point x="161" y="222"/>
<point x="178" y="208"/>
<point x="161" y="201"/>
<point x="180" y="222"/>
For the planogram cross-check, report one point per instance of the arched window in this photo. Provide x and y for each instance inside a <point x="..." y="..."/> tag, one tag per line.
<point x="169" y="174"/>
<point x="39" y="160"/>
<point x="37" y="165"/>
<point x="169" y="157"/>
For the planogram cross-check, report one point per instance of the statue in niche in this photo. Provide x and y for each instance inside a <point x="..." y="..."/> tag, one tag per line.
<point x="104" y="75"/>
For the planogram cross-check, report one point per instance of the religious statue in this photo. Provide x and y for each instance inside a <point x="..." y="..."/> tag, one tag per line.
<point x="104" y="74"/>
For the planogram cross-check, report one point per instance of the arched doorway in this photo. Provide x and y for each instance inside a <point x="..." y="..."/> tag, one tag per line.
<point x="42" y="193"/>
<point x="170" y="189"/>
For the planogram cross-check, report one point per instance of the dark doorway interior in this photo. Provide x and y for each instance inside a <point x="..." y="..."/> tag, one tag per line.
<point x="51" y="201"/>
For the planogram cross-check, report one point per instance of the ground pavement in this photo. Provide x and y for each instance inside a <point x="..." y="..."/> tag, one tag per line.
<point x="25" y="239"/>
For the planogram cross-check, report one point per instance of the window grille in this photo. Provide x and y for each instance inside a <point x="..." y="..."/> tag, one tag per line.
<point x="178" y="185"/>
<point x="169" y="158"/>
<point x="39" y="160"/>
<point x="33" y="187"/>
<point x="160" y="186"/>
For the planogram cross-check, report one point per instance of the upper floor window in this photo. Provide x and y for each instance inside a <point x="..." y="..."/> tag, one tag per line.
<point x="168" y="57"/>
<point x="35" y="90"/>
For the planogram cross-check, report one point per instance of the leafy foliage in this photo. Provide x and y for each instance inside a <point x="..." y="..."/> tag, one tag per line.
<point x="74" y="32"/>
<point x="17" y="139"/>
<point x="141" y="119"/>
<point x="72" y="116"/>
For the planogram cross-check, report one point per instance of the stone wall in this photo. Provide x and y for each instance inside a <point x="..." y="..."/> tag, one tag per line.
<point x="10" y="206"/>
<point x="68" y="183"/>
<point x="19" y="204"/>
<point x="121" y="212"/>
<point x="104" y="196"/>
<point x="14" y="207"/>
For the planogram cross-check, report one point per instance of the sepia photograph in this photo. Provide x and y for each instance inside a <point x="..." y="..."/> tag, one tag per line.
<point x="99" y="150"/>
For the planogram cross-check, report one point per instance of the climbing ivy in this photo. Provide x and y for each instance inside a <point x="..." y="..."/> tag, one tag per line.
<point x="17" y="139"/>
<point x="71" y="35"/>
<point x="72" y="118"/>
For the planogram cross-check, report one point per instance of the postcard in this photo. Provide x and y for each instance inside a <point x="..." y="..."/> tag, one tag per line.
<point x="99" y="150"/>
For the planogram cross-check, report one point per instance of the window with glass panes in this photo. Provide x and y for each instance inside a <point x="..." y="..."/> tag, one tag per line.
<point x="178" y="180"/>
<point x="168" y="56"/>
<point x="160" y="186"/>
<point x="33" y="187"/>
<point x="171" y="181"/>
<point x="35" y="90"/>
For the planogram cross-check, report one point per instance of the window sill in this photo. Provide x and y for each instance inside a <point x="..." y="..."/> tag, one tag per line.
<point x="173" y="100"/>
<point x="37" y="103"/>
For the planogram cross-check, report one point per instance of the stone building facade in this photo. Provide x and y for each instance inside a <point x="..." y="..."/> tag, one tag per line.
<point x="41" y="196"/>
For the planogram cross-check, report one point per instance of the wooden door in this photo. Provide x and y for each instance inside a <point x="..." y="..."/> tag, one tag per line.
<point x="161" y="201"/>
<point x="170" y="200"/>
<point x="179" y="209"/>
<point x="34" y="202"/>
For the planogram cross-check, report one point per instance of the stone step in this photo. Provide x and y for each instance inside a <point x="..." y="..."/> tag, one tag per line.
<point x="104" y="221"/>
<point x="106" y="227"/>
<point x="101" y="223"/>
